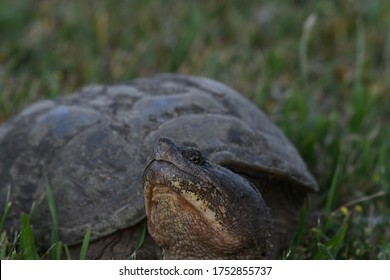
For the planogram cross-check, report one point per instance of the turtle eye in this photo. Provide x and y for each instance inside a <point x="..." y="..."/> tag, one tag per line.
<point x="194" y="156"/>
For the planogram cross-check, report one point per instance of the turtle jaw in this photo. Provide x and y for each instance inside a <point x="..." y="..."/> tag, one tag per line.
<point x="179" y="220"/>
<point x="164" y="182"/>
<point x="188" y="219"/>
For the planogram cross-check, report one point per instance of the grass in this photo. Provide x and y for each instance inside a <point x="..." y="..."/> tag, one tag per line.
<point x="318" y="68"/>
<point x="23" y="246"/>
<point x="140" y="241"/>
<point x="56" y="248"/>
<point x="84" y="246"/>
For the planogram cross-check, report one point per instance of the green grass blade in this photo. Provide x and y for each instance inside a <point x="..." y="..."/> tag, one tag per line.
<point x="84" y="247"/>
<point x="55" y="252"/>
<point x="58" y="251"/>
<point x="3" y="246"/>
<point x="299" y="235"/>
<point x="67" y="252"/>
<point x="4" y="216"/>
<point x="323" y="253"/>
<point x="330" y="249"/>
<point x="6" y="208"/>
<point x="303" y="44"/>
<point x="141" y="237"/>
<point x="27" y="241"/>
<point x="332" y="190"/>
<point x="140" y="240"/>
<point x="337" y="240"/>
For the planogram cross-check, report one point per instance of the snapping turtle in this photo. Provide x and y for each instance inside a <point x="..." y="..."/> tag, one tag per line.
<point x="211" y="192"/>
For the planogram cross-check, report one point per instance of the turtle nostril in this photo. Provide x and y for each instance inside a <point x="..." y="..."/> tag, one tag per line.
<point x="165" y="141"/>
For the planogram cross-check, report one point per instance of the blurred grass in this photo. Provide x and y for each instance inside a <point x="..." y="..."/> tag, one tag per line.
<point x="319" y="69"/>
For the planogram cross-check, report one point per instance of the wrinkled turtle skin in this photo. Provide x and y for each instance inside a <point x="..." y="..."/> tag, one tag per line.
<point x="91" y="149"/>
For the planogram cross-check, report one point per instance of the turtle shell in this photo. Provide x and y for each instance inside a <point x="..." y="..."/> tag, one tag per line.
<point x="90" y="148"/>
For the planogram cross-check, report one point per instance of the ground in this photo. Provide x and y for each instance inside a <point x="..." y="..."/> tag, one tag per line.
<point x="319" y="69"/>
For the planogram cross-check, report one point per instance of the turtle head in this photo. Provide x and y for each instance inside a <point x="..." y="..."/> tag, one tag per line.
<point x="199" y="210"/>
